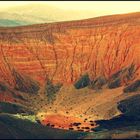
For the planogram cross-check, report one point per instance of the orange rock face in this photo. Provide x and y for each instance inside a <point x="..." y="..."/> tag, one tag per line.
<point x="66" y="50"/>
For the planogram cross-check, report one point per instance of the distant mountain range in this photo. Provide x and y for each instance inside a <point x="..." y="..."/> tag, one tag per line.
<point x="37" y="13"/>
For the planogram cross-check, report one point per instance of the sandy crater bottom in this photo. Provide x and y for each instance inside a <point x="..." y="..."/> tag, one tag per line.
<point x="68" y="122"/>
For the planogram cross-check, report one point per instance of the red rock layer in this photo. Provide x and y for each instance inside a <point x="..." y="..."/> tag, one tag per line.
<point x="64" y="51"/>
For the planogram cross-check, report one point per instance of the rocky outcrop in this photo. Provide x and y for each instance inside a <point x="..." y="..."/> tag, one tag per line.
<point x="12" y="108"/>
<point x="121" y="76"/>
<point x="25" y="83"/>
<point x="82" y="82"/>
<point x="130" y="106"/>
<point x="9" y="94"/>
<point x="133" y="87"/>
<point x="51" y="90"/>
<point x="98" y="82"/>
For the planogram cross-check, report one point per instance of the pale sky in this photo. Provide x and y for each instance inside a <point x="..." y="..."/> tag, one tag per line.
<point x="102" y="7"/>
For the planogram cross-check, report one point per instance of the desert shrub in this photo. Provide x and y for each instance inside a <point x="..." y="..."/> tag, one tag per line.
<point x="51" y="90"/>
<point x="82" y="82"/>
